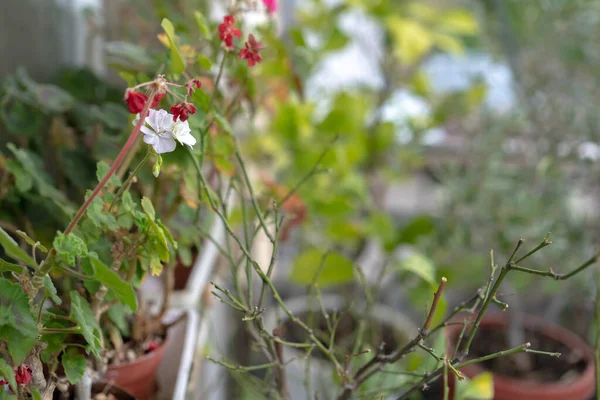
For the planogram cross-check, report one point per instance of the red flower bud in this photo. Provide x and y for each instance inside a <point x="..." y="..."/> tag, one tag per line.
<point x="251" y="52"/>
<point x="23" y="375"/>
<point x="191" y="85"/>
<point x="181" y="111"/>
<point x="227" y="31"/>
<point x="135" y="101"/>
<point x="153" y="345"/>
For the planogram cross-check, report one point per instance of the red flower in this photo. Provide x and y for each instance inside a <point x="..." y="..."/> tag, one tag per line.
<point x="251" y="52"/>
<point x="271" y="5"/>
<point x="190" y="85"/>
<point x="181" y="111"/>
<point x="157" y="100"/>
<point x="3" y="382"/>
<point x="135" y="101"/>
<point x="23" y="375"/>
<point x="227" y="31"/>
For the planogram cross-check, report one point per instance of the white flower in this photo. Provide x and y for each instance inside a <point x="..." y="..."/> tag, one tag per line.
<point x="182" y="132"/>
<point x="158" y="131"/>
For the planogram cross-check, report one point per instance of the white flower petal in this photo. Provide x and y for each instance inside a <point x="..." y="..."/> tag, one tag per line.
<point x="182" y="132"/>
<point x="164" y="145"/>
<point x="151" y="139"/>
<point x="147" y="131"/>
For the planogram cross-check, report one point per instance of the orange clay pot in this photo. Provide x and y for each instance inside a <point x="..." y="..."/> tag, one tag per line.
<point x="137" y="377"/>
<point x="509" y="388"/>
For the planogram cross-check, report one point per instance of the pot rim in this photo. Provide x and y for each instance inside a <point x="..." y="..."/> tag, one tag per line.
<point x="545" y="328"/>
<point x="140" y="360"/>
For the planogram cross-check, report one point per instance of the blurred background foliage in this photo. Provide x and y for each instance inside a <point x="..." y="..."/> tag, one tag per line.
<point x="492" y="172"/>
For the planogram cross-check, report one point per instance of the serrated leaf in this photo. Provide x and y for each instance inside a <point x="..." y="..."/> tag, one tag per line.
<point x="202" y="24"/>
<point x="177" y="61"/>
<point x="32" y="242"/>
<point x="101" y="171"/>
<point x="420" y="266"/>
<point x="82" y="314"/>
<point x="7" y="373"/>
<point x="109" y="278"/>
<point x="127" y="202"/>
<point x="69" y="247"/>
<point x="12" y="249"/>
<point x="100" y="218"/>
<point x="74" y="364"/>
<point x="315" y="266"/>
<point x="19" y="328"/>
<point x="50" y="290"/>
<point x="148" y="208"/>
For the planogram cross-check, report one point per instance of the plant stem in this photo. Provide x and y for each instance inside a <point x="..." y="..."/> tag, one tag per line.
<point x="128" y="180"/>
<point x="126" y="147"/>
<point x="368" y="369"/>
<point x="488" y="299"/>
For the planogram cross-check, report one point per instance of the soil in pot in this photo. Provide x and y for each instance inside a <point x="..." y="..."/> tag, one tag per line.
<point x="537" y="367"/>
<point x="134" y="366"/>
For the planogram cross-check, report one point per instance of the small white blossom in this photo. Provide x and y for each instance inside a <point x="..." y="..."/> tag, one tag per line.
<point x="183" y="133"/>
<point x="158" y="131"/>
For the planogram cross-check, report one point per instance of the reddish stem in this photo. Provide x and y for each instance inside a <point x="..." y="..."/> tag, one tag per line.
<point x="126" y="147"/>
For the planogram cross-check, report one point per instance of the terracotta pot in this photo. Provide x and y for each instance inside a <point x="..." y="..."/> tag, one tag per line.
<point x="138" y="377"/>
<point x="102" y="387"/>
<point x="510" y="388"/>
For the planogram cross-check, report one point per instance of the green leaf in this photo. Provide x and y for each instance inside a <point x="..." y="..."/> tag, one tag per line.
<point x="419" y="226"/>
<point x="82" y="314"/>
<point x="35" y="393"/>
<point x="53" y="99"/>
<point x="32" y="166"/>
<point x="74" y="364"/>
<point x="5" y="396"/>
<point x="69" y="247"/>
<point x="480" y="387"/>
<point x="31" y="242"/>
<point x="420" y="266"/>
<point x="156" y="266"/>
<point x="8" y="266"/>
<point x="223" y="123"/>
<point x="7" y="373"/>
<point x="411" y="39"/>
<point x="127" y="202"/>
<point x="109" y="278"/>
<point x="460" y="22"/>
<point x="101" y="171"/>
<point x="50" y="290"/>
<point x="202" y="24"/>
<point x="204" y="62"/>
<point x="18" y="327"/>
<point x="12" y="249"/>
<point x="117" y="315"/>
<point x="337" y="40"/>
<point x="157" y="235"/>
<point x="177" y="61"/>
<point x="325" y="269"/>
<point x="99" y="216"/>
<point x="148" y="208"/>
<point x="167" y="234"/>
